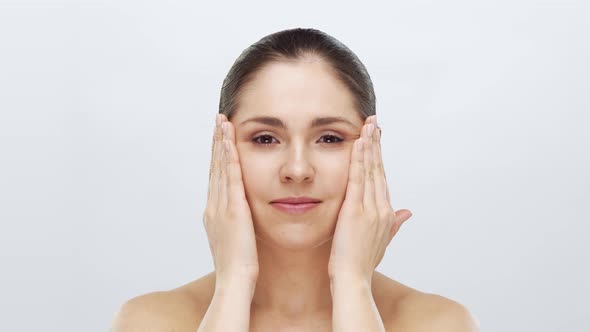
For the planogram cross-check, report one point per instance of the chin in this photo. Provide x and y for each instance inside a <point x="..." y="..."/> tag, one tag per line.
<point x="293" y="242"/>
<point x="294" y="233"/>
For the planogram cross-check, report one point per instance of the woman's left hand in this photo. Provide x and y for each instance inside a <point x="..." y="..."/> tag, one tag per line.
<point x="366" y="222"/>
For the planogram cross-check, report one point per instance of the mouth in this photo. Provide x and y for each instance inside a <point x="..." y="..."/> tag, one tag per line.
<point x="295" y="208"/>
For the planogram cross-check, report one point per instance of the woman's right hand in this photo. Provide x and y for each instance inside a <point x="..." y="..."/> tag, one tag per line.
<point x="227" y="217"/>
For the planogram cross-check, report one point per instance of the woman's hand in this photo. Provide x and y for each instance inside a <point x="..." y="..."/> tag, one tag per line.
<point x="227" y="217"/>
<point x="366" y="222"/>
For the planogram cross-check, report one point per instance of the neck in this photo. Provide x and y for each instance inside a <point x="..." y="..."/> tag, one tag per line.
<point x="293" y="283"/>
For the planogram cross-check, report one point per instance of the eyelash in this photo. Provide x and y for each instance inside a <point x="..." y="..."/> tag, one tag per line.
<point x="338" y="139"/>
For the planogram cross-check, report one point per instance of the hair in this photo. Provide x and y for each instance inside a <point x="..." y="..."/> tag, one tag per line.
<point x="290" y="46"/>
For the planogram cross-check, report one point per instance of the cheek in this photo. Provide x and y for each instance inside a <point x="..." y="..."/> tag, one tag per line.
<point x="339" y="173"/>
<point x="254" y="171"/>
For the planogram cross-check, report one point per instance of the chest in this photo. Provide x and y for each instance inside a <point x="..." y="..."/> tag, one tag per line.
<point x="270" y="323"/>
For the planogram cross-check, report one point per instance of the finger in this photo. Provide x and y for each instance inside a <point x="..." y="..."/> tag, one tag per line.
<point x="369" y="192"/>
<point x="384" y="175"/>
<point x="223" y="181"/>
<point x="356" y="176"/>
<point x="387" y="193"/>
<point x="400" y="217"/>
<point x="379" y="174"/>
<point x="214" y="165"/>
<point x="235" y="189"/>
<point x="217" y="139"/>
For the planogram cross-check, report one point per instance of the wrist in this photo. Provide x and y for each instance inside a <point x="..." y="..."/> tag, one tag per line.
<point x="347" y="275"/>
<point x="235" y="277"/>
<point x="235" y="286"/>
<point x="349" y="281"/>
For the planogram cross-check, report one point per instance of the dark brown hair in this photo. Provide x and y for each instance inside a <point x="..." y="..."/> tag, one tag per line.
<point x="292" y="45"/>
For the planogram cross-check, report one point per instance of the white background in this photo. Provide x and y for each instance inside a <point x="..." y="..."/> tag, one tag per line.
<point x="107" y="110"/>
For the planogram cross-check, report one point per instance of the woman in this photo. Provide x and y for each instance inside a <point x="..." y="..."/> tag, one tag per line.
<point x="298" y="214"/>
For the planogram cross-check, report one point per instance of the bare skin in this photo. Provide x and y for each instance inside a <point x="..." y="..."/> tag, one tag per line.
<point x="401" y="307"/>
<point x="182" y="308"/>
<point x="290" y="255"/>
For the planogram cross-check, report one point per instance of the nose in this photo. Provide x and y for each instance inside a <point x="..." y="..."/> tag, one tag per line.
<point x="297" y="167"/>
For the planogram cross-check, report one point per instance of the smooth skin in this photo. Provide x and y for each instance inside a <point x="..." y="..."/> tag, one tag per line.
<point x="239" y="294"/>
<point x="366" y="223"/>
<point x="402" y="308"/>
<point x="227" y="218"/>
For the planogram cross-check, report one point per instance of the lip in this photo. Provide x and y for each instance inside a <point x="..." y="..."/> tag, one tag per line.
<point x="298" y="208"/>
<point x="296" y="200"/>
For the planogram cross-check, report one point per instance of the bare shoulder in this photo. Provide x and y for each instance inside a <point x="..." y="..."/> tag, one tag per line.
<point x="420" y="311"/>
<point x="179" y="309"/>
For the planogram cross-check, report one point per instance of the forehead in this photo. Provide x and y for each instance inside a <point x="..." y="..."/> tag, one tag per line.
<point x="296" y="90"/>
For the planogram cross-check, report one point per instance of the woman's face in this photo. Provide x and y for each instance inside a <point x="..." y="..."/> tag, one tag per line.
<point x="298" y="158"/>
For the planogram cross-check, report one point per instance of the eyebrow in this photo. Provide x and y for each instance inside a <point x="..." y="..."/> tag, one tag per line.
<point x="317" y="122"/>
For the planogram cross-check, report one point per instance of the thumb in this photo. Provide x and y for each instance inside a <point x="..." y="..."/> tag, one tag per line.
<point x="399" y="216"/>
<point x="403" y="215"/>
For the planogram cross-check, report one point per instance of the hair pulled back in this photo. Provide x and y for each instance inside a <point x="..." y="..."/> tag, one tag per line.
<point x="293" y="45"/>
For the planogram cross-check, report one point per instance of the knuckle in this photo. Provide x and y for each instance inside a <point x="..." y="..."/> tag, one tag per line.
<point x="207" y="215"/>
<point x="217" y="134"/>
<point x="231" y="163"/>
<point x="385" y="213"/>
<point x="356" y="178"/>
<point x="379" y="168"/>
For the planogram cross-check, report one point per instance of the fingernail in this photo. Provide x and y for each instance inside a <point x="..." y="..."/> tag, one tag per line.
<point x="375" y="119"/>
<point x="217" y="119"/>
<point x="370" y="128"/>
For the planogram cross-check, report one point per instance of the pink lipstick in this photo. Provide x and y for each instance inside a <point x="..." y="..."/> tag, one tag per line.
<point x="295" y="205"/>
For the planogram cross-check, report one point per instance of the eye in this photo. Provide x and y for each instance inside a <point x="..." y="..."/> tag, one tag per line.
<point x="267" y="139"/>
<point x="264" y="137"/>
<point x="334" y="139"/>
